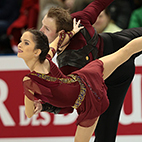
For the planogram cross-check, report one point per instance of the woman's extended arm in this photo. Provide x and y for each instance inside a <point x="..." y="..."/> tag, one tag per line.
<point x="61" y="41"/>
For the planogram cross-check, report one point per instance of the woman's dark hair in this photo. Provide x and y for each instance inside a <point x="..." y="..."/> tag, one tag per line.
<point x="41" y="42"/>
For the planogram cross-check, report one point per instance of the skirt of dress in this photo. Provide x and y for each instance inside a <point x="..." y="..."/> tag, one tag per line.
<point x="96" y="101"/>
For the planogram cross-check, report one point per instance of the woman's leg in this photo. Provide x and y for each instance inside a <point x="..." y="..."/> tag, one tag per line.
<point x="112" y="61"/>
<point x="83" y="134"/>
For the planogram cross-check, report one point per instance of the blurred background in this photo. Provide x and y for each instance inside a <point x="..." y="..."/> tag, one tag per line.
<point x="18" y="15"/>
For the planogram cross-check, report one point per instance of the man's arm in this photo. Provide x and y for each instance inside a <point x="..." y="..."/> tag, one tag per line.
<point x="50" y="108"/>
<point x="56" y="110"/>
<point x="92" y="11"/>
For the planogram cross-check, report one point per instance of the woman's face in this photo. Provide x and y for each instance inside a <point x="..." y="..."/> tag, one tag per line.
<point x="26" y="46"/>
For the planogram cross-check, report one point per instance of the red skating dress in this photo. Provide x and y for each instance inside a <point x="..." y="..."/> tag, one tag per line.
<point x="83" y="90"/>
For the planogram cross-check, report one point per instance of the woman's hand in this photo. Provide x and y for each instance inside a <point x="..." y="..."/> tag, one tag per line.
<point x="62" y="41"/>
<point x="38" y="106"/>
<point x="76" y="26"/>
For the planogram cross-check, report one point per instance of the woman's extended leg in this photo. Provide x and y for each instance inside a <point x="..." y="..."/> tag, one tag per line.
<point x="83" y="134"/>
<point x="112" y="61"/>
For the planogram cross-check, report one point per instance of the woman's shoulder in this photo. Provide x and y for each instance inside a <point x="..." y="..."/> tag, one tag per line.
<point x="26" y="78"/>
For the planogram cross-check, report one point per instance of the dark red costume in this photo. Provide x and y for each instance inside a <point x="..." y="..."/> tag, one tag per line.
<point x="83" y="90"/>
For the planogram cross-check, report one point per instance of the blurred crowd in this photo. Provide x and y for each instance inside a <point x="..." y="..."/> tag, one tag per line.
<point x="18" y="15"/>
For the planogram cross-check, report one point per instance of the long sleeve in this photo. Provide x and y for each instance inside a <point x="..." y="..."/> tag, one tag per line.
<point x="91" y="12"/>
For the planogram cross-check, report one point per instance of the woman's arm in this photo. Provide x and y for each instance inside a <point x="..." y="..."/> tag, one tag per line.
<point x="63" y="38"/>
<point x="29" y="107"/>
<point x="29" y="98"/>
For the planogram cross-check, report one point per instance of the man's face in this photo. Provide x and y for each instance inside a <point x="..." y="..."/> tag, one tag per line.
<point x="49" y="28"/>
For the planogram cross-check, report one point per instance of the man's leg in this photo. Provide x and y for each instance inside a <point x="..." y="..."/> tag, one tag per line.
<point x="118" y="84"/>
